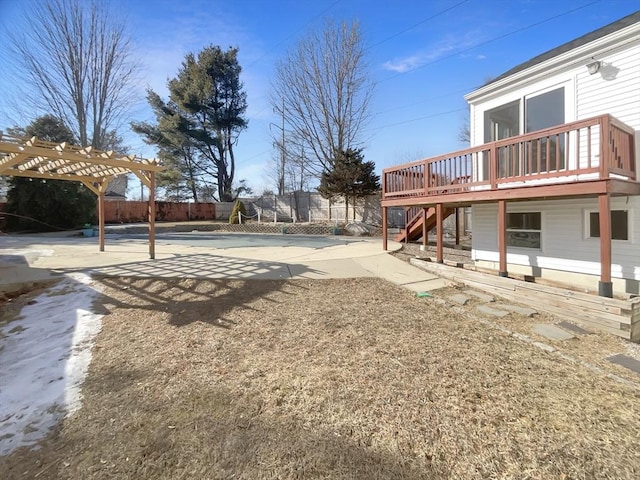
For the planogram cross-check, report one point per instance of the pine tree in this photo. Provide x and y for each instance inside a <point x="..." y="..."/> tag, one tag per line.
<point x="351" y="177"/>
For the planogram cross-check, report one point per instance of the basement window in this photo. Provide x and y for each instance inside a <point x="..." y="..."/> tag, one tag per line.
<point x="524" y="230"/>
<point x="619" y="225"/>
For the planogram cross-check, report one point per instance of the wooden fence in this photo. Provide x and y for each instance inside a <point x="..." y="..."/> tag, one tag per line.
<point x="123" y="211"/>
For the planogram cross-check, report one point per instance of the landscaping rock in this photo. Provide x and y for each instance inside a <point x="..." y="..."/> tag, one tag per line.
<point x="480" y="296"/>
<point x="524" y="311"/>
<point x="627" y="362"/>
<point x="573" y="328"/>
<point x="459" y="298"/>
<point x="552" y="332"/>
<point x="492" y="311"/>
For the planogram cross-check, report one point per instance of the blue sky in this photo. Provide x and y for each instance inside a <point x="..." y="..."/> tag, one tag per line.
<point x="423" y="56"/>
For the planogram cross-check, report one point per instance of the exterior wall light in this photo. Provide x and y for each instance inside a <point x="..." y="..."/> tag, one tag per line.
<point x="594" y="67"/>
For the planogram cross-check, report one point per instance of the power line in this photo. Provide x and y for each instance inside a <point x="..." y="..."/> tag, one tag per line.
<point x="397" y="34"/>
<point x="294" y="33"/>
<point x="440" y="114"/>
<point x="500" y="37"/>
<point x="444" y="95"/>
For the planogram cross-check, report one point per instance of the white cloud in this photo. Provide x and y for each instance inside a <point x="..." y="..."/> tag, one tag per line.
<point x="404" y="64"/>
<point x="443" y="48"/>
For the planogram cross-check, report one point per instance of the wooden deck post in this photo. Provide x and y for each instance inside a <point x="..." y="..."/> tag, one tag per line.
<point x="406" y="225"/>
<point x="152" y="215"/>
<point x="384" y="228"/>
<point x="440" y="233"/>
<point x="457" y="227"/>
<point x="101" y="219"/>
<point x="425" y="232"/>
<point x="502" y="237"/>
<point x="605" y="286"/>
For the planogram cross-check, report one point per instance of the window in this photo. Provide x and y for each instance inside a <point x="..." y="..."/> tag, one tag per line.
<point x="543" y="111"/>
<point x="619" y="225"/>
<point x="524" y="230"/>
<point x="500" y="123"/>
<point x="530" y="113"/>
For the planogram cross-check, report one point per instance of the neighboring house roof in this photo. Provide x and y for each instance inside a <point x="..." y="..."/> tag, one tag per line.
<point x="589" y="37"/>
<point x="117" y="187"/>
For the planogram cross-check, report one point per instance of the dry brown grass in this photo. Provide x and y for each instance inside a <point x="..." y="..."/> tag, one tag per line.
<point x="351" y="379"/>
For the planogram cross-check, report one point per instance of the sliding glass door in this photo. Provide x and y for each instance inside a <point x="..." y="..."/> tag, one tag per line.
<point x="543" y="111"/>
<point x="529" y="114"/>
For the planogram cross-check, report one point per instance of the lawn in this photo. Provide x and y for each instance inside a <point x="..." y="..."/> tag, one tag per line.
<point x="349" y="379"/>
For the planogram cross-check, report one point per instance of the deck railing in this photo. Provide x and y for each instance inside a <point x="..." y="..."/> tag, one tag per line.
<point x="594" y="148"/>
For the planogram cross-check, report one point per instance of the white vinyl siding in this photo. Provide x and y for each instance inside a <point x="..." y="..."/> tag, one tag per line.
<point x="565" y="246"/>
<point x="619" y="96"/>
<point x="615" y="89"/>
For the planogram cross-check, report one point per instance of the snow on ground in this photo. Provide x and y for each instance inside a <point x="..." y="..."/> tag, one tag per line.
<point x="44" y="357"/>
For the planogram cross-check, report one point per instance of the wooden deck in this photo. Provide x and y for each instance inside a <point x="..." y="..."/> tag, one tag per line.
<point x="594" y="158"/>
<point x="584" y="158"/>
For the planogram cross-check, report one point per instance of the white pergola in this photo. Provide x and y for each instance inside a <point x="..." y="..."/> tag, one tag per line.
<point x="34" y="158"/>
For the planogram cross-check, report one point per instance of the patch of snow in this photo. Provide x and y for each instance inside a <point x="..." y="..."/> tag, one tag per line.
<point x="29" y="255"/>
<point x="44" y="357"/>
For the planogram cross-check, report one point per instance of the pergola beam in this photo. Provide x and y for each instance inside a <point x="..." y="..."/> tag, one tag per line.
<point x="75" y="156"/>
<point x="13" y="159"/>
<point x="143" y="178"/>
<point x="51" y="176"/>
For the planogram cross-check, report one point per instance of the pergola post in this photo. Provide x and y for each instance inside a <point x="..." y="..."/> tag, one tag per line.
<point x="440" y="234"/>
<point x="502" y="237"/>
<point x="384" y="228"/>
<point x="605" y="286"/>
<point x="152" y="215"/>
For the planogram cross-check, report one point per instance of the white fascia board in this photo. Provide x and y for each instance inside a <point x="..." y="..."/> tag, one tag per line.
<point x="576" y="57"/>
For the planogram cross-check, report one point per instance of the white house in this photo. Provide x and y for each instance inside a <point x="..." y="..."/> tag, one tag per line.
<point x="552" y="175"/>
<point x="596" y="74"/>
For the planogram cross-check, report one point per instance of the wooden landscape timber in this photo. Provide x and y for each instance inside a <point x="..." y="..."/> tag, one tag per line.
<point x="616" y="316"/>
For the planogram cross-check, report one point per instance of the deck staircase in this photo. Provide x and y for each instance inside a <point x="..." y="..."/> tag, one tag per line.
<point x="415" y="218"/>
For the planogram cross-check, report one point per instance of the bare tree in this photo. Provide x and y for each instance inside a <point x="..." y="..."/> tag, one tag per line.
<point x="464" y="134"/>
<point x="75" y="60"/>
<point x="322" y="89"/>
<point x="288" y="170"/>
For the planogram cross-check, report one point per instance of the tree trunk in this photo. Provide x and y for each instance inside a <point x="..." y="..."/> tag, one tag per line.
<point x="354" y="208"/>
<point x="346" y="206"/>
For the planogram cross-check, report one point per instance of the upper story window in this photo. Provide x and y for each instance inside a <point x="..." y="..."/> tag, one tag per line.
<point x="502" y="122"/>
<point x="526" y="115"/>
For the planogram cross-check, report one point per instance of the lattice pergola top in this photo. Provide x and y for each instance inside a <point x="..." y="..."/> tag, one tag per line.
<point x="34" y="158"/>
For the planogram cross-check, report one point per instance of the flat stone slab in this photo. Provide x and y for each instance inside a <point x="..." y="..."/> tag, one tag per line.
<point x="574" y="328"/>
<point x="552" y="332"/>
<point x="459" y="298"/>
<point x="480" y="296"/>
<point x="627" y="362"/>
<point x="426" y="285"/>
<point x="494" y="312"/>
<point x="527" y="312"/>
